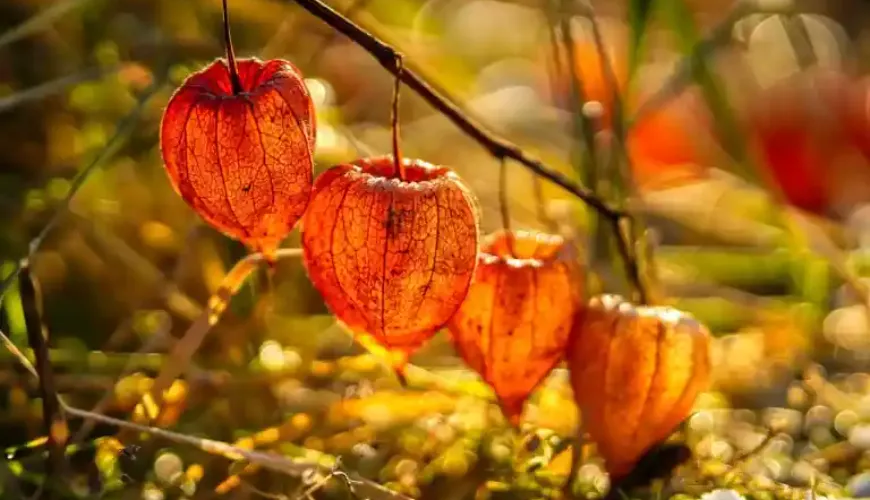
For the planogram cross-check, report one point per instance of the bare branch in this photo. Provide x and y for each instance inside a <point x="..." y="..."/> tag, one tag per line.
<point x="391" y="59"/>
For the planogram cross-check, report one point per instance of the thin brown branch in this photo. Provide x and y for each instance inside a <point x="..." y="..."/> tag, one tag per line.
<point x="364" y="488"/>
<point x="390" y="59"/>
<point x="271" y="461"/>
<point x="231" y="54"/>
<point x="55" y="423"/>
<point x="394" y="122"/>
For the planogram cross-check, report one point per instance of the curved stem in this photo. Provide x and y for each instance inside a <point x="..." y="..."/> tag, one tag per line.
<point x="184" y="349"/>
<point x="503" y="205"/>
<point x="267" y="460"/>
<point x="394" y="121"/>
<point x="235" y="81"/>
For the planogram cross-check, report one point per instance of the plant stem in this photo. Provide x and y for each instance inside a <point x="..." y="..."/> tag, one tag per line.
<point x="397" y="152"/>
<point x="55" y="423"/>
<point x="503" y="205"/>
<point x="627" y="242"/>
<point x="181" y="353"/>
<point x="585" y="127"/>
<point x="266" y="460"/>
<point x="390" y="58"/>
<point x="235" y="81"/>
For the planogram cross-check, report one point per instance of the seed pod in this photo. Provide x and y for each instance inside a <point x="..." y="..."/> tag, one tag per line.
<point x="514" y="324"/>
<point x="242" y="159"/>
<point x="392" y="258"/>
<point x="636" y="372"/>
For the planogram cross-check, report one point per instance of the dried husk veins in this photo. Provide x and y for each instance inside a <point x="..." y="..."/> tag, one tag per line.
<point x="243" y="162"/>
<point x="636" y="372"/>
<point x="392" y="258"/>
<point x="514" y="324"/>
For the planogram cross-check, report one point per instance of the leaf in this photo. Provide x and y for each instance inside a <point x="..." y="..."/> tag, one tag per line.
<point x="393" y="259"/>
<point x="636" y="372"/>
<point x="243" y="160"/>
<point x="514" y="324"/>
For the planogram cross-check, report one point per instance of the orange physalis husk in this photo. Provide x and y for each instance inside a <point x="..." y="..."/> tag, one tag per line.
<point x="514" y="324"/>
<point x="392" y="258"/>
<point x="243" y="161"/>
<point x="636" y="372"/>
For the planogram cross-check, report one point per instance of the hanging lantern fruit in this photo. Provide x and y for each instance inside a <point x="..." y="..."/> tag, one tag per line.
<point x="514" y="324"/>
<point x="238" y="143"/>
<point x="793" y="127"/>
<point x="636" y="372"/>
<point x="392" y="256"/>
<point x="666" y="145"/>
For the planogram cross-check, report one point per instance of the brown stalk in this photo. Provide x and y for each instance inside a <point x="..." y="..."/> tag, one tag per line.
<point x="394" y="119"/>
<point x="231" y="54"/>
<point x="390" y="59"/>
<point x="52" y="415"/>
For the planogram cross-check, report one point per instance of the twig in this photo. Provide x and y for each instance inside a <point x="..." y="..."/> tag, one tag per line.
<point x="390" y="59"/>
<point x="583" y="126"/>
<point x="364" y="487"/>
<point x="181" y="353"/>
<point x="266" y="460"/>
<point x="235" y="81"/>
<point x="394" y="122"/>
<point x="561" y="38"/>
<point x="754" y="451"/>
<point x="55" y="424"/>
<point x="627" y="242"/>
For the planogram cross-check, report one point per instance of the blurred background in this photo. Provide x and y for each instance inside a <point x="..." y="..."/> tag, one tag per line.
<point x="745" y="134"/>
